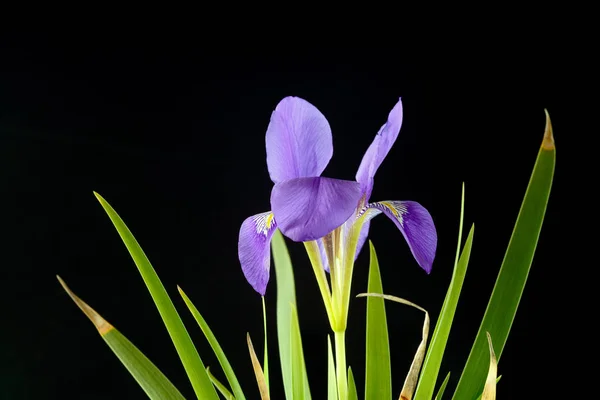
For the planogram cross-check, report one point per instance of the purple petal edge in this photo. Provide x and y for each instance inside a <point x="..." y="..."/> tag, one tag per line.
<point x="417" y="226"/>
<point x="379" y="149"/>
<point x="298" y="141"/>
<point x="309" y="208"/>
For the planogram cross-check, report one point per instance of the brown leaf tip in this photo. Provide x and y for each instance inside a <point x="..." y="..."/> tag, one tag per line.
<point x="548" y="142"/>
<point x="101" y="324"/>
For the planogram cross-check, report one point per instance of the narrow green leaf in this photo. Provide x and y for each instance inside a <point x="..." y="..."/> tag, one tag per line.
<point x="332" y="393"/>
<point x="258" y="372"/>
<point x="505" y="298"/>
<point x="410" y="382"/>
<point x="299" y="378"/>
<point x="440" y="393"/>
<point x="266" y="356"/>
<point x="439" y="339"/>
<point x="220" y="387"/>
<point x="190" y="359"/>
<point x="151" y="380"/>
<point x="214" y="344"/>
<point x="352" y="393"/>
<point x="286" y="296"/>
<point x="378" y="379"/>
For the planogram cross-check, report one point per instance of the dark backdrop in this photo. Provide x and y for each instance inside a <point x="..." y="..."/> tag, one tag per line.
<point x="171" y="133"/>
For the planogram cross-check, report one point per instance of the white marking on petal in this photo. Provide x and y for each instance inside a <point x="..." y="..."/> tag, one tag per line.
<point x="397" y="208"/>
<point x="263" y="223"/>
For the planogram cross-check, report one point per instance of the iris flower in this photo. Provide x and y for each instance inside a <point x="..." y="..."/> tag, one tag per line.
<point x="331" y="216"/>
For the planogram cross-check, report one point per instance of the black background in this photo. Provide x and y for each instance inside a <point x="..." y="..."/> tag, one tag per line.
<point x="171" y="133"/>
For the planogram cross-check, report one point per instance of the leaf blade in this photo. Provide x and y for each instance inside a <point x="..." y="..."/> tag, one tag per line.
<point x="442" y="388"/>
<point x="186" y="350"/>
<point x="439" y="339"/>
<point x="286" y="296"/>
<point x="258" y="372"/>
<point x="378" y="379"/>
<point x="510" y="283"/>
<point x="216" y="347"/>
<point x="332" y="393"/>
<point x="352" y="393"/>
<point x="154" y="383"/>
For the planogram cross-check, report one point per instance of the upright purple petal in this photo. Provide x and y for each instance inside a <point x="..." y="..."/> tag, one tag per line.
<point x="309" y="208"/>
<point x="298" y="141"/>
<point x="416" y="224"/>
<point x="254" y="249"/>
<point x="379" y="149"/>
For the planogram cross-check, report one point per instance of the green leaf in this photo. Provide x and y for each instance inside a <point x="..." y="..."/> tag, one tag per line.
<point x="378" y="379"/>
<point x="440" y="393"/>
<point x="151" y="380"/>
<point x="214" y="344"/>
<point x="190" y="359"/>
<point x="286" y="297"/>
<point x="332" y="393"/>
<point x="439" y="339"/>
<point x="220" y="387"/>
<point x="410" y="382"/>
<point x="299" y="378"/>
<point x="514" y="271"/>
<point x="352" y="393"/>
<point x="258" y="372"/>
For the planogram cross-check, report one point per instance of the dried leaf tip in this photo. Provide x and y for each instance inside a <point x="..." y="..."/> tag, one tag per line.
<point x="548" y="142"/>
<point x="489" y="391"/>
<point x="101" y="324"/>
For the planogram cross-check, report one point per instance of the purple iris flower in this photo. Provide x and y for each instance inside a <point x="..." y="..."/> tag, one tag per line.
<point x="307" y="207"/>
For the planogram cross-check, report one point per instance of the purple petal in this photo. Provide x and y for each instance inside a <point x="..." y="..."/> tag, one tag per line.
<point x="309" y="208"/>
<point x="379" y="149"/>
<point x="416" y="224"/>
<point x="364" y="233"/>
<point x="254" y="249"/>
<point x="298" y="141"/>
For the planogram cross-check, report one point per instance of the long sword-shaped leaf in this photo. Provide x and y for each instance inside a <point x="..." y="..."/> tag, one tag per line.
<point x="214" y="343"/>
<point x="286" y="297"/>
<point x="299" y="378"/>
<point x="433" y="359"/>
<point x="442" y="389"/>
<point x="258" y="372"/>
<point x="332" y="393"/>
<point x="352" y="393"/>
<point x="410" y="382"/>
<point x="378" y="379"/>
<point x="152" y="381"/>
<point x="190" y="359"/>
<point x="220" y="387"/>
<point x="505" y="298"/>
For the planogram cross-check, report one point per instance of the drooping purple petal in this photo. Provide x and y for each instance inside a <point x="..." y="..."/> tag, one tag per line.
<point x="416" y="224"/>
<point x="309" y="208"/>
<point x="379" y="149"/>
<point x="254" y="249"/>
<point x="298" y="140"/>
<point x="364" y="233"/>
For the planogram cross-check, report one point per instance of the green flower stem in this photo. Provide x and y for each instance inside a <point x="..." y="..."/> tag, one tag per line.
<point x="312" y="248"/>
<point x="340" y="368"/>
